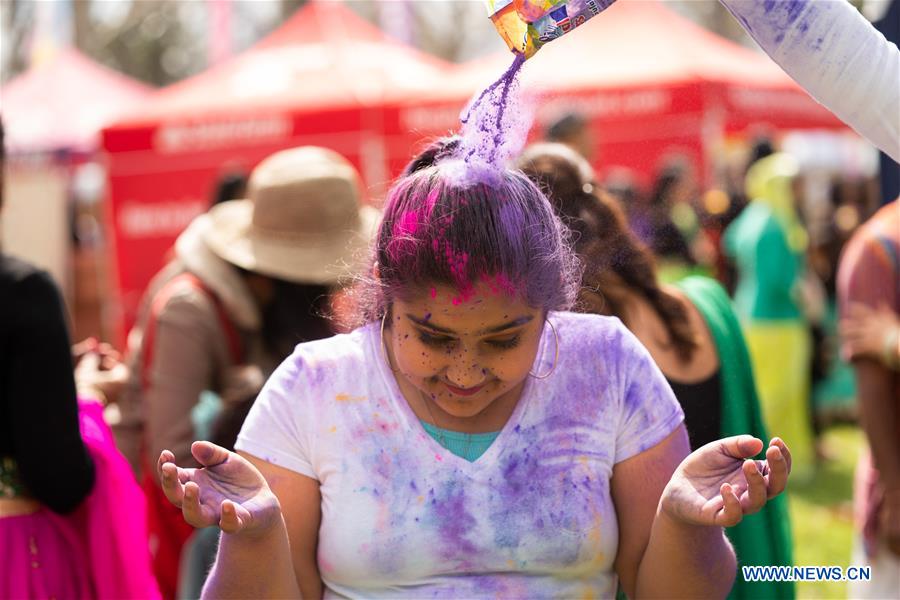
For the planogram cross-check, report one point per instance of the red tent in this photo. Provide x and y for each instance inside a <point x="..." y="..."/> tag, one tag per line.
<point x="63" y="103"/>
<point x="651" y="83"/>
<point x="325" y="77"/>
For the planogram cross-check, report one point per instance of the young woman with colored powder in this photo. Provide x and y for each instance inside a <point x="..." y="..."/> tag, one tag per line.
<point x="576" y="470"/>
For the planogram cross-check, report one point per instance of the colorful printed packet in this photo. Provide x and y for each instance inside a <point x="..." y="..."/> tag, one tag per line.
<point x="526" y="25"/>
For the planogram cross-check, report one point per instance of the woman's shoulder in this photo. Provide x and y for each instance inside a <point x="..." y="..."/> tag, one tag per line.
<point x="28" y="292"/>
<point x="593" y="337"/>
<point x="339" y="368"/>
<point x="706" y="296"/>
<point x="22" y="276"/>
<point x="589" y="322"/>
<point x="344" y="354"/>
<point x="588" y="327"/>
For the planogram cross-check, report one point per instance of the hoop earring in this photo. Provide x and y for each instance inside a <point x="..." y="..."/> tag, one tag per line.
<point x="555" y="357"/>
<point x="383" y="347"/>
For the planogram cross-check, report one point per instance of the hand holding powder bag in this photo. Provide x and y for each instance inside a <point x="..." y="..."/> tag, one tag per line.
<point x="526" y="25"/>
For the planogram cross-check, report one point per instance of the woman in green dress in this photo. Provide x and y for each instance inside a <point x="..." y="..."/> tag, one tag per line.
<point x="690" y="330"/>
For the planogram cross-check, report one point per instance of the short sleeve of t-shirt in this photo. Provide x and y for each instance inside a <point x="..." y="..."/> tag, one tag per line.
<point x="271" y="431"/>
<point x="649" y="411"/>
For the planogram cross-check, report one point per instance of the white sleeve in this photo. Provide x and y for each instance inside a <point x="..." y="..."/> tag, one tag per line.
<point x="649" y="410"/>
<point x="278" y="428"/>
<point x="837" y="56"/>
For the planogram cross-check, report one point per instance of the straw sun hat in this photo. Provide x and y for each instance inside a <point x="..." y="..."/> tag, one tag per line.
<point x="302" y="222"/>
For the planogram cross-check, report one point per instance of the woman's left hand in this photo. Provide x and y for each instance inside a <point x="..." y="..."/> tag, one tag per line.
<point x="717" y="484"/>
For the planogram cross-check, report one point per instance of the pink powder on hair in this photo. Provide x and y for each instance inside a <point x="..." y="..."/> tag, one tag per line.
<point x="408" y="223"/>
<point x="430" y="200"/>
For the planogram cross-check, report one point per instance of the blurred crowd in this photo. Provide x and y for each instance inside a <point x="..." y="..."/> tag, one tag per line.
<point x="735" y="289"/>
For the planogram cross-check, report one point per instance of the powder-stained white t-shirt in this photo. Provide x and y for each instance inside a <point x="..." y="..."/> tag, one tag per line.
<point x="404" y="517"/>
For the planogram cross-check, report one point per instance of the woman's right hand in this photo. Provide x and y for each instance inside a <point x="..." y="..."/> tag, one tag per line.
<point x="227" y="491"/>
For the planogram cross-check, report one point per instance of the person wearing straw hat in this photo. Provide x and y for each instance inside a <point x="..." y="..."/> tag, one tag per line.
<point x="250" y="279"/>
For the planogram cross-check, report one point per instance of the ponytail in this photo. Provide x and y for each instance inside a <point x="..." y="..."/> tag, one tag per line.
<point x="605" y="244"/>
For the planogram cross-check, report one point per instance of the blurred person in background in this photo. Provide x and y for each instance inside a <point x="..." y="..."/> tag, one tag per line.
<point x="834" y="388"/>
<point x="668" y="222"/>
<point x="869" y="301"/>
<point x="768" y="246"/>
<point x="67" y="497"/>
<point x="620" y="182"/>
<point x="761" y="147"/>
<point x="574" y="130"/>
<point x="719" y="206"/>
<point x="247" y="282"/>
<point x="36" y="382"/>
<point x="690" y="330"/>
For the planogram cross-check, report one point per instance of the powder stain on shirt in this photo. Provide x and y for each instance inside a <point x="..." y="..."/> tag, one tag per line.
<point x="450" y="514"/>
<point x="348" y="398"/>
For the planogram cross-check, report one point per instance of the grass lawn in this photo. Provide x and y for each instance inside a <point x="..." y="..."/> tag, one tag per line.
<point x="822" y="514"/>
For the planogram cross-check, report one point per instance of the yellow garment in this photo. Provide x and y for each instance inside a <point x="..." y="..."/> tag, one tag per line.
<point x="781" y="352"/>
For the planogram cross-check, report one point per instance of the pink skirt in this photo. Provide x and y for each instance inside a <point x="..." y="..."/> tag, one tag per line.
<point x="42" y="557"/>
<point x="99" y="552"/>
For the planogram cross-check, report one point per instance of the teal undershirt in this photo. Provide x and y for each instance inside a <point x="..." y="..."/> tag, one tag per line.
<point x="469" y="446"/>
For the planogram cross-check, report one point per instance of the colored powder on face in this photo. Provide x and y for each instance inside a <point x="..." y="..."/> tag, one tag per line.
<point x="494" y="128"/>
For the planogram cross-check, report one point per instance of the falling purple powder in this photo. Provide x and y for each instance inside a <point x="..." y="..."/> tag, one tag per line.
<point x="494" y="128"/>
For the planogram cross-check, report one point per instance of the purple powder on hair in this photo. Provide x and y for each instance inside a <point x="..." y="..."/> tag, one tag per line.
<point x="494" y="128"/>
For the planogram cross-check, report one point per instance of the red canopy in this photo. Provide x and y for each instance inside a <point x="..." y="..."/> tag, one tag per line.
<point x="63" y="103"/>
<point x="650" y="81"/>
<point x="325" y="77"/>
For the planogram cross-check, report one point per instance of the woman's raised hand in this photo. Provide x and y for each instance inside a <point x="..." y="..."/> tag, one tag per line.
<point x="227" y="491"/>
<point x="717" y="484"/>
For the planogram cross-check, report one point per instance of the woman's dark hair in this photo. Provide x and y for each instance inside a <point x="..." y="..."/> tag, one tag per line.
<point x="297" y="313"/>
<point x="437" y="230"/>
<point x="437" y="150"/>
<point x="603" y="240"/>
<point x="230" y="186"/>
<point x="761" y="147"/>
<point x="566" y="126"/>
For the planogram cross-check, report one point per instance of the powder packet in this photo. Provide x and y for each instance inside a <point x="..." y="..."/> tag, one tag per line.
<point x="526" y="25"/>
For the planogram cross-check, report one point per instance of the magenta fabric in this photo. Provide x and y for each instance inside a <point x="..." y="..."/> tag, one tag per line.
<point x="113" y="518"/>
<point x="100" y="551"/>
<point x="42" y="557"/>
